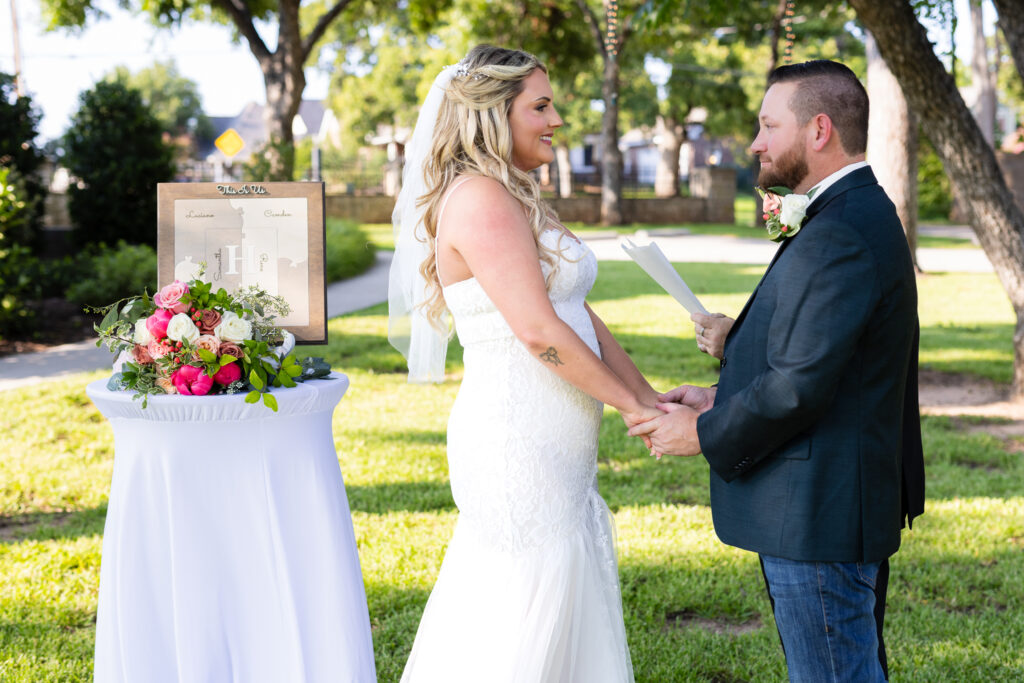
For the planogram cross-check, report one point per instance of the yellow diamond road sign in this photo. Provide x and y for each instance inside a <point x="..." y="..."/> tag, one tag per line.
<point x="230" y="142"/>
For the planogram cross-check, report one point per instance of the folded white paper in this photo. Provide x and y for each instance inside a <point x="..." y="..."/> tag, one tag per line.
<point x="653" y="261"/>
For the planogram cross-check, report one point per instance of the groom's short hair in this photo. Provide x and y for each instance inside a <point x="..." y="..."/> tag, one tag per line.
<point x="830" y="88"/>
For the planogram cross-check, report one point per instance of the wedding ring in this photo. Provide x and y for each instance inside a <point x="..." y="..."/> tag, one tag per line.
<point x="701" y="333"/>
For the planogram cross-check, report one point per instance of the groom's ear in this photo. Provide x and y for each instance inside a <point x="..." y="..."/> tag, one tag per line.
<point x="821" y="132"/>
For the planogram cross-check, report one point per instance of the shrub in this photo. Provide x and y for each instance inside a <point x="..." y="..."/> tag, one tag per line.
<point x="349" y="251"/>
<point x="19" y="123"/>
<point x="115" y="274"/>
<point x="115" y="148"/>
<point x="17" y="288"/>
<point x="934" y="195"/>
<point x="18" y="268"/>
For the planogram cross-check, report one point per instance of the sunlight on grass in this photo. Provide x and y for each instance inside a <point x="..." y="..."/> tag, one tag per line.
<point x="695" y="610"/>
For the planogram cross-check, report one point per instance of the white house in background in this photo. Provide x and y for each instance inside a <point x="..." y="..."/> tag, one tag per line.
<point x="314" y="120"/>
<point x="640" y="155"/>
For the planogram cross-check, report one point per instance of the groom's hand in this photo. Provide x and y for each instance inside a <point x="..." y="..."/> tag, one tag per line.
<point x="674" y="433"/>
<point x="701" y="399"/>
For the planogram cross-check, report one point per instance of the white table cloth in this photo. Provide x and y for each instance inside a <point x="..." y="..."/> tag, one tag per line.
<point x="228" y="550"/>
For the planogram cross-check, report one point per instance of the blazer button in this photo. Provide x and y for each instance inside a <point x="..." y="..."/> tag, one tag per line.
<point x="723" y="361"/>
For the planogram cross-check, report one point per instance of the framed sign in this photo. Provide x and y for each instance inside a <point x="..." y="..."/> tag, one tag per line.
<point x="266" y="234"/>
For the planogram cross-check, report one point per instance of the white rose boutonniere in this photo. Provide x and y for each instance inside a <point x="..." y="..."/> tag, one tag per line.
<point x="784" y="212"/>
<point x="232" y="328"/>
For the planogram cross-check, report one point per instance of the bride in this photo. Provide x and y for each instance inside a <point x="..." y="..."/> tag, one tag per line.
<point x="528" y="590"/>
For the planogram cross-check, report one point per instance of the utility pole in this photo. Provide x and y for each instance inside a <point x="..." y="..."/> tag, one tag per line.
<point x="19" y="80"/>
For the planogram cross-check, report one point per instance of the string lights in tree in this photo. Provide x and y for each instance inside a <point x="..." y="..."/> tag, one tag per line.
<point x="611" y="40"/>
<point x="787" y="23"/>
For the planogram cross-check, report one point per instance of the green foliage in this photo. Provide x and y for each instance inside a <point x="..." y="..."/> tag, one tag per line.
<point x="17" y="264"/>
<point x="17" y="208"/>
<point x="260" y="166"/>
<point x="172" y="98"/>
<point x="349" y="252"/>
<point x="21" y="160"/>
<point x="115" y="147"/>
<point x="934" y="194"/>
<point x="115" y="273"/>
<point x="17" y="289"/>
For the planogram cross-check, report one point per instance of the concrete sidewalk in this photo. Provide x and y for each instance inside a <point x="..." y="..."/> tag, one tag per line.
<point x="371" y="288"/>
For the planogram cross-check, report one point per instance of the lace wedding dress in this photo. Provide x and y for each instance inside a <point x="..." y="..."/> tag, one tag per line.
<point x="528" y="590"/>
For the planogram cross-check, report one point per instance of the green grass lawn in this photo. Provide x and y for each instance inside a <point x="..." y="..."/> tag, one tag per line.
<point x="695" y="609"/>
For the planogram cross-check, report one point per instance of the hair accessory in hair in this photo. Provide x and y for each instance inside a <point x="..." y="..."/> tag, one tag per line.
<point x="461" y="69"/>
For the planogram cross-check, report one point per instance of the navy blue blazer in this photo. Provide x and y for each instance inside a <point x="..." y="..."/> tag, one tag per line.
<point x="814" y="440"/>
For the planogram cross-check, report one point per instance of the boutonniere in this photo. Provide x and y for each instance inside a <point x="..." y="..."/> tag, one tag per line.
<point x="784" y="211"/>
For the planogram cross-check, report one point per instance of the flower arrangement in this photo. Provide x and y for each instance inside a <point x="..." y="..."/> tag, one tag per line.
<point x="189" y="340"/>
<point x="783" y="211"/>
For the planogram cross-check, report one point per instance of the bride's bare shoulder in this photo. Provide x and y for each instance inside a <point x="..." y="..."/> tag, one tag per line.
<point x="484" y="203"/>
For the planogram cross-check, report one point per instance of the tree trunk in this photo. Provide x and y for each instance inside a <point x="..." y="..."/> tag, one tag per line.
<point x="611" y="156"/>
<point x="283" y="75"/>
<point x="1011" y="23"/>
<point x="564" y="171"/>
<point x="670" y="141"/>
<point x="983" y="87"/>
<point x="892" y="142"/>
<point x="969" y="160"/>
<point x="773" y="62"/>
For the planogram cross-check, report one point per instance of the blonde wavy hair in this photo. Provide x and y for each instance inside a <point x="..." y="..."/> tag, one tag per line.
<point x="472" y="136"/>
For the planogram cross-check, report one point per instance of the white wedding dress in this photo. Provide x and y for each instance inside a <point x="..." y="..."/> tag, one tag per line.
<point x="528" y="590"/>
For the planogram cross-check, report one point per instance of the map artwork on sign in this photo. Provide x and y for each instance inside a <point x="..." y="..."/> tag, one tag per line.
<point x="243" y="241"/>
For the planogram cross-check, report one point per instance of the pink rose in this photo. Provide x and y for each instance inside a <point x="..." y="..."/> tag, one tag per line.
<point x="157" y="323"/>
<point x="158" y="348"/>
<point x="166" y="384"/>
<point x="192" y="381"/>
<point x="140" y="354"/>
<point x="208" y="342"/>
<point x="772" y="204"/>
<point x="170" y="297"/>
<point x="228" y="374"/>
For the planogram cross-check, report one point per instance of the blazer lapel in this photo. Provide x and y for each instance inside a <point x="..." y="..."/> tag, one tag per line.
<point x="859" y="178"/>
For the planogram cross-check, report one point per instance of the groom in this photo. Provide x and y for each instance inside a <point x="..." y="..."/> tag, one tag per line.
<point x="813" y="432"/>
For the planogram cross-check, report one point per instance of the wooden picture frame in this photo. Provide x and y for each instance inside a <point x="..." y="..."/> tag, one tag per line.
<point x="267" y="234"/>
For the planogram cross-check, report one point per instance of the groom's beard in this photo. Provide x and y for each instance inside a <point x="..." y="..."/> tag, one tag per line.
<point x="787" y="170"/>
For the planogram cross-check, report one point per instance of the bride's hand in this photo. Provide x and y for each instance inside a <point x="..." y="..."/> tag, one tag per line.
<point x="640" y="414"/>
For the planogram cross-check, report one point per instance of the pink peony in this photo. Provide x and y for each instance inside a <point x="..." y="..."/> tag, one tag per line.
<point x="157" y="323"/>
<point x="192" y="381"/>
<point x="772" y="204"/>
<point x="170" y="297"/>
<point x="228" y="374"/>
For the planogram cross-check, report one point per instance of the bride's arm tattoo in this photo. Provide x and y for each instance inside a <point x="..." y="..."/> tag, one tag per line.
<point x="551" y="356"/>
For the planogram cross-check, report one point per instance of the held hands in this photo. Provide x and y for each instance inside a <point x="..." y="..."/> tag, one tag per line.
<point x="711" y="330"/>
<point x="675" y="432"/>
<point x="642" y="413"/>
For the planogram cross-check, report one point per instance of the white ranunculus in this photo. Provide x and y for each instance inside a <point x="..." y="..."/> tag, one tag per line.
<point x="232" y="328"/>
<point x="181" y="328"/>
<point x="794" y="207"/>
<point x="142" y="335"/>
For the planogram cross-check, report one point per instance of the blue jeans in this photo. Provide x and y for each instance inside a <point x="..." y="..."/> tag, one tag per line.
<point x="825" y="613"/>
